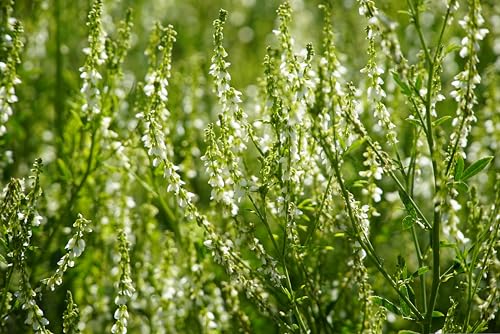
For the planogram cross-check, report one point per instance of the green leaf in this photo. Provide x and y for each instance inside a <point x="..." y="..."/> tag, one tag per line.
<point x="411" y="294"/>
<point x="446" y="244"/>
<point x="418" y="83"/>
<point x="405" y="89"/>
<point x="63" y="169"/>
<point x="360" y="183"/>
<point x="461" y="186"/>
<point x="406" y="331"/>
<point x="3" y="261"/>
<point x="451" y="48"/>
<point x="459" y="168"/>
<point x="476" y="167"/>
<point x="408" y="222"/>
<point x="446" y="278"/>
<point x="413" y="121"/>
<point x="342" y="143"/>
<point x="301" y="299"/>
<point x="404" y="12"/>
<point x="405" y="309"/>
<point x="355" y="145"/>
<point x="306" y="204"/>
<point x="287" y="293"/>
<point x="441" y="120"/>
<point x="402" y="267"/>
<point x="420" y="272"/>
<point x="410" y="209"/>
<point x="437" y="314"/>
<point x="389" y="306"/>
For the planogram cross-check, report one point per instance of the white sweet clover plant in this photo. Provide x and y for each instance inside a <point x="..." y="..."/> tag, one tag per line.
<point x="349" y="189"/>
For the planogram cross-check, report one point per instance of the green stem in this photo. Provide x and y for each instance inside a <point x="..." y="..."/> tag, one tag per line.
<point x="400" y="185"/>
<point x="483" y="265"/>
<point x="361" y="237"/>
<point x="318" y="214"/>
<point x="263" y="218"/>
<point x="296" y="310"/>
<point x="410" y="187"/>
<point x="416" y="22"/>
<point x="59" y="93"/>
<point x="436" y="273"/>
<point x="164" y="206"/>
<point x="8" y="278"/>
<point x="420" y="260"/>
<point x="393" y="176"/>
<point x="74" y="195"/>
<point x="436" y="227"/>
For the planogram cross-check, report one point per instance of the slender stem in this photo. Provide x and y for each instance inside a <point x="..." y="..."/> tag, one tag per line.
<point x="74" y="193"/>
<point x="361" y="237"/>
<point x="296" y="310"/>
<point x="59" y="91"/>
<point x="436" y="227"/>
<point x="318" y="214"/>
<point x="420" y="260"/>
<point x="263" y="218"/>
<point x="393" y="176"/>
<point x="469" y="293"/>
<point x="88" y="169"/>
<point x="419" y="116"/>
<point x="410" y="187"/>
<point x="462" y="122"/>
<point x="400" y="186"/>
<point x="165" y="207"/>
<point x="8" y="278"/>
<point x="416" y="22"/>
<point x="436" y="273"/>
<point x="314" y="295"/>
<point x="483" y="265"/>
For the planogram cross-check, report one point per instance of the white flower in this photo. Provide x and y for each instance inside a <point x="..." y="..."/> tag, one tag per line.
<point x="208" y="243"/>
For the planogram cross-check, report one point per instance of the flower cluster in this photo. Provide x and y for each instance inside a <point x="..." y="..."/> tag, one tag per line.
<point x="125" y="286"/>
<point x="290" y="83"/>
<point x="220" y="176"/>
<point x="71" y="316"/>
<point x="19" y="215"/>
<point x="96" y="56"/>
<point x="466" y="81"/>
<point x="330" y="87"/>
<point x="11" y="45"/>
<point x="154" y="119"/>
<point x="225" y="253"/>
<point x="374" y="172"/>
<point x="376" y="90"/>
<point x="35" y="316"/>
<point x="156" y="115"/>
<point x="223" y="159"/>
<point x="74" y="248"/>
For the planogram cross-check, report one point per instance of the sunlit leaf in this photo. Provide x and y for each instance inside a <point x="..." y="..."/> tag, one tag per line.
<point x="476" y="167"/>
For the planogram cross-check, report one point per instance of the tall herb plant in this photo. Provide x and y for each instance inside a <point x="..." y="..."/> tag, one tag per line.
<point x="326" y="197"/>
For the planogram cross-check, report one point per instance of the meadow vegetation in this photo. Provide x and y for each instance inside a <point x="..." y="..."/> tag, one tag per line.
<point x="279" y="167"/>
